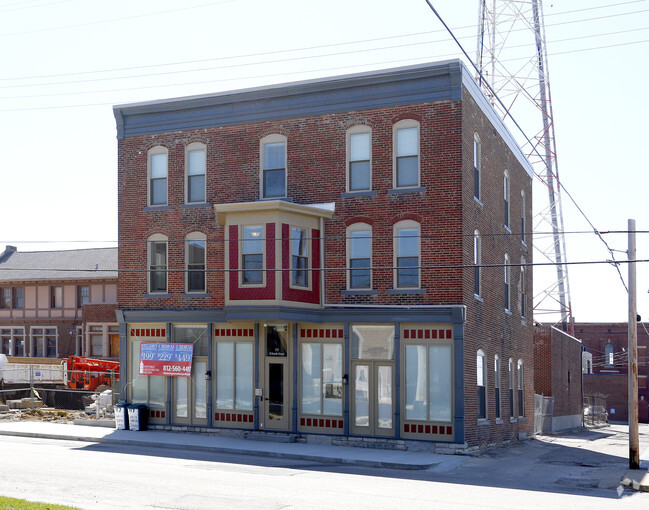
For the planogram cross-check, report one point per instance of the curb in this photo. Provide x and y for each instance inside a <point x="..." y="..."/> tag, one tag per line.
<point x="236" y="451"/>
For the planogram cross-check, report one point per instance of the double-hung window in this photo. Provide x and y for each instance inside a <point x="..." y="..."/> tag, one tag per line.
<point x="476" y="167"/>
<point x="5" y="297"/>
<point x="521" y="406"/>
<point x="497" y="385"/>
<point x="158" y="264"/>
<point x="299" y="257"/>
<point x="481" y="371"/>
<point x="359" y="159"/>
<point x="506" y="266"/>
<point x="506" y="197"/>
<point x="407" y="154"/>
<point x="195" y="260"/>
<point x="510" y="382"/>
<point x="477" y="256"/>
<point x="56" y="297"/>
<point x="523" y="216"/>
<point x="521" y="287"/>
<point x="252" y="255"/>
<point x="83" y="295"/>
<point x="360" y="256"/>
<point x="158" y="176"/>
<point x="195" y="161"/>
<point x="407" y="255"/>
<point x="273" y="159"/>
<point x="18" y="297"/>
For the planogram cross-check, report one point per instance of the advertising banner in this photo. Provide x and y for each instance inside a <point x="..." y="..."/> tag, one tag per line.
<point x="166" y="359"/>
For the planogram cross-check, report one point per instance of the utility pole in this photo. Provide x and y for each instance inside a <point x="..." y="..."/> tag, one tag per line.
<point x="634" y="447"/>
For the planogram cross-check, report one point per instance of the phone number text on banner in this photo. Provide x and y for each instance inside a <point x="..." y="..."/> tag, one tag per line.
<point x="166" y="359"/>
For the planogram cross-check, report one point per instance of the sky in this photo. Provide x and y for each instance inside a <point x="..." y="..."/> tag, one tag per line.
<point x="65" y="63"/>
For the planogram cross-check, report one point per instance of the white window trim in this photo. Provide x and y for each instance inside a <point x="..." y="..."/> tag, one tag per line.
<point x="404" y="124"/>
<point x="33" y="339"/>
<point x="309" y="257"/>
<point x="358" y="227"/>
<point x="263" y="258"/>
<point x="481" y="354"/>
<point x="356" y="130"/>
<point x="156" y="150"/>
<point x="405" y="224"/>
<point x="195" y="236"/>
<point x="276" y="138"/>
<point x="157" y="238"/>
<point x="195" y="146"/>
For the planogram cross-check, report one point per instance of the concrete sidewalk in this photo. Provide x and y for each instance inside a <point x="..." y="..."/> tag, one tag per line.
<point x="365" y="457"/>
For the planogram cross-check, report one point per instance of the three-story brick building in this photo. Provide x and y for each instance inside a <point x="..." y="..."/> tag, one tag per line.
<point x="347" y="257"/>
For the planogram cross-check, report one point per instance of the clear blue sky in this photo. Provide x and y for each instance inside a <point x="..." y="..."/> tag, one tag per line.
<point x="66" y="62"/>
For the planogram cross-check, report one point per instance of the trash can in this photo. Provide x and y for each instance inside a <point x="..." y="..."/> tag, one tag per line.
<point x="121" y="416"/>
<point x="137" y="416"/>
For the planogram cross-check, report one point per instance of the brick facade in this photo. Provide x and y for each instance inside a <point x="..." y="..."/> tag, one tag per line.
<point x="443" y="206"/>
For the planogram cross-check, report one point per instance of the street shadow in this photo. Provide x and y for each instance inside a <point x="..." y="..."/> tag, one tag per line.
<point x="537" y="465"/>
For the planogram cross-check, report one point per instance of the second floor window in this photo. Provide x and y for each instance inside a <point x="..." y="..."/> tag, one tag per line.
<point x="196" y="173"/>
<point x="407" y="256"/>
<point x="5" y="297"/>
<point x="360" y="259"/>
<point x="274" y="169"/>
<point x="299" y="257"/>
<point x="252" y="255"/>
<point x="158" y="265"/>
<point x="83" y="295"/>
<point x="359" y="162"/>
<point x="195" y="259"/>
<point x="407" y="154"/>
<point x="18" y="297"/>
<point x="506" y="197"/>
<point x="158" y="177"/>
<point x="507" y="282"/>
<point x="477" y="256"/>
<point x="56" y="297"/>
<point x="476" y="167"/>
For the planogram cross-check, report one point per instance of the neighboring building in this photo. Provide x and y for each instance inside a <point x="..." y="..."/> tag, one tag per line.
<point x="347" y="256"/>
<point x="54" y="304"/>
<point x="557" y="380"/>
<point x="608" y="345"/>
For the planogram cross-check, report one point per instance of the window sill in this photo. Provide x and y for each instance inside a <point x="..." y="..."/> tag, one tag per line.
<point x="267" y="199"/>
<point x="407" y="291"/>
<point x="157" y="208"/>
<point x="156" y="295"/>
<point x="195" y="295"/>
<point x="354" y="292"/>
<point x="193" y="205"/>
<point x="477" y="201"/>
<point x="483" y="422"/>
<point x="398" y="191"/>
<point x="508" y="312"/>
<point x="508" y="229"/>
<point x="499" y="421"/>
<point x="522" y="418"/>
<point x="513" y="420"/>
<point x="478" y="298"/>
<point x="351" y="194"/>
<point x="524" y="244"/>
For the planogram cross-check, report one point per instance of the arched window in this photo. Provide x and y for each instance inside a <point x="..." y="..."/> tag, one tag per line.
<point x="195" y="170"/>
<point x="359" y="256"/>
<point x="522" y="288"/>
<point x="406" y="154"/>
<point x="195" y="262"/>
<point x="477" y="261"/>
<point x="481" y="374"/>
<point x="359" y="158"/>
<point x="406" y="254"/>
<point x="521" y="407"/>
<point x="158" y="174"/>
<point x="157" y="264"/>
<point x="510" y="382"/>
<point x="273" y="166"/>
<point x="610" y="354"/>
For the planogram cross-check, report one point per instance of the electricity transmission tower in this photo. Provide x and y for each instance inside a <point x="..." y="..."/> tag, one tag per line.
<point x="512" y="60"/>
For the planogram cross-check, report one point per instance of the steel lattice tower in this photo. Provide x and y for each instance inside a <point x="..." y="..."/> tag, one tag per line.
<point x="512" y="60"/>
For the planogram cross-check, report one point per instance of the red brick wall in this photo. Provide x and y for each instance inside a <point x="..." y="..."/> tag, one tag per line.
<point x="542" y="361"/>
<point x="99" y="313"/>
<point x="566" y="374"/>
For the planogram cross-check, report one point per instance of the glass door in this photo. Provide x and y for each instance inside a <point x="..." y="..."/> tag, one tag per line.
<point x="190" y="395"/>
<point x="276" y="392"/>
<point x="372" y="398"/>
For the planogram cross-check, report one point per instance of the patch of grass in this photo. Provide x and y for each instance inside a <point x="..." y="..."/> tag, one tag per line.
<point x="21" y="504"/>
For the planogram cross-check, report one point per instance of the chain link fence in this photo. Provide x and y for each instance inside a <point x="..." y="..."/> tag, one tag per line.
<point x="25" y="386"/>
<point x="595" y="409"/>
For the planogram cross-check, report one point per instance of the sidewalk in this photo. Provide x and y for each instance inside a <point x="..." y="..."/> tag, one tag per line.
<point x="365" y="457"/>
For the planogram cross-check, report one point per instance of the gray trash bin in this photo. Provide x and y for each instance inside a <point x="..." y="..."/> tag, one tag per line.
<point x="138" y="415"/>
<point x="121" y="416"/>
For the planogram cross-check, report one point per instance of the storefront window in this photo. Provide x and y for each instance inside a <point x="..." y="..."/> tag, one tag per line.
<point x="234" y="375"/>
<point x="322" y="389"/>
<point x="428" y="382"/>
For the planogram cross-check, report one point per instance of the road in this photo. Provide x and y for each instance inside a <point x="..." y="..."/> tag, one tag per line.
<point x="568" y="473"/>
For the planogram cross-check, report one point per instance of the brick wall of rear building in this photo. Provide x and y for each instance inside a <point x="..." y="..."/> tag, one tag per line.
<point x="316" y="166"/>
<point x="542" y="361"/>
<point x="615" y="390"/>
<point x="566" y="374"/>
<point x="99" y="313"/>
<point x="508" y="334"/>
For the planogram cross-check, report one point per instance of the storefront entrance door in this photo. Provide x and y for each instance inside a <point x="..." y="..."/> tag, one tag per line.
<point x="276" y="408"/>
<point x="372" y="398"/>
<point x="189" y="395"/>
